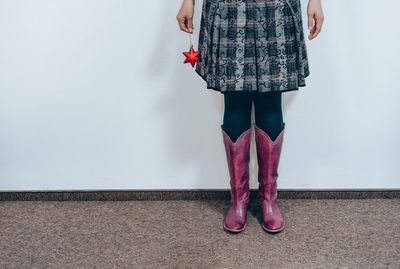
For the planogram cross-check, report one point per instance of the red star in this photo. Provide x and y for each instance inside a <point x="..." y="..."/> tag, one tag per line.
<point x="191" y="56"/>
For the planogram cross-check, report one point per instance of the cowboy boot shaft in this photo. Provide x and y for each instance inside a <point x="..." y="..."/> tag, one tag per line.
<point x="238" y="157"/>
<point x="268" y="156"/>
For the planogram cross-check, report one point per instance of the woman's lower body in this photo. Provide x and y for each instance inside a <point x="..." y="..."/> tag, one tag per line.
<point x="236" y="130"/>
<point x="252" y="51"/>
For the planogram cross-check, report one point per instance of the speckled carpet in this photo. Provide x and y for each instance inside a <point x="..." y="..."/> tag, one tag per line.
<point x="343" y="233"/>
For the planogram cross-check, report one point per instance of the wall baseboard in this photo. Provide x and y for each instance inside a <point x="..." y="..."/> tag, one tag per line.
<point x="154" y="195"/>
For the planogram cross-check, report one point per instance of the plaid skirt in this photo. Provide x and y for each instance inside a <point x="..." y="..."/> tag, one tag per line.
<point x="252" y="45"/>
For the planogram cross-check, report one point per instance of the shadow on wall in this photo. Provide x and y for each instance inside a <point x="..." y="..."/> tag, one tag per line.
<point x="191" y="113"/>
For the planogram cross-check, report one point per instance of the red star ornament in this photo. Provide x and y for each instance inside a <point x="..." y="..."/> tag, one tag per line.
<point x="191" y="56"/>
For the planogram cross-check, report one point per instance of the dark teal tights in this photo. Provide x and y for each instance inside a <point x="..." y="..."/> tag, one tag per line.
<point x="267" y="109"/>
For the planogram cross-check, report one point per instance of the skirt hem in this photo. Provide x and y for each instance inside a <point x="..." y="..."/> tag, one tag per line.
<point x="255" y="91"/>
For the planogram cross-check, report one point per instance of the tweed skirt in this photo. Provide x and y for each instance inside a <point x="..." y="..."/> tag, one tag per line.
<point x="252" y="45"/>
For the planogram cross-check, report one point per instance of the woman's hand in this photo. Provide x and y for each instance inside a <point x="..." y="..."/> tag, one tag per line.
<point x="315" y="18"/>
<point x="185" y="16"/>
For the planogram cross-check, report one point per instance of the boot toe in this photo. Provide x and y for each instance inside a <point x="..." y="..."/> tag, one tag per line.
<point x="273" y="225"/>
<point x="234" y="226"/>
<point x="234" y="221"/>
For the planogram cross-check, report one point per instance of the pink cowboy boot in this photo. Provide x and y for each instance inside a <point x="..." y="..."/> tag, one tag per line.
<point x="268" y="154"/>
<point x="237" y="155"/>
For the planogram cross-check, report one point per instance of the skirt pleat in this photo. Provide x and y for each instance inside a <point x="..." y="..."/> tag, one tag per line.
<point x="252" y="45"/>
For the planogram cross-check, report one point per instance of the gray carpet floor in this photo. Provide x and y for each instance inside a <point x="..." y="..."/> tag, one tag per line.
<point x="344" y="233"/>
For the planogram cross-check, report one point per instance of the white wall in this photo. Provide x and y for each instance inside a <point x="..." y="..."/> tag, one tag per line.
<point x="94" y="95"/>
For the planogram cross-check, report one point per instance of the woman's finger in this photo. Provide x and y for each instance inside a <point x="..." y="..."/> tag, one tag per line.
<point x="190" y="24"/>
<point x="312" y="30"/>
<point x="310" y="21"/>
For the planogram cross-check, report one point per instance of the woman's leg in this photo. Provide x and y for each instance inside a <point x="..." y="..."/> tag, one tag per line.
<point x="236" y="132"/>
<point x="237" y="113"/>
<point x="269" y="132"/>
<point x="268" y="112"/>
